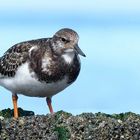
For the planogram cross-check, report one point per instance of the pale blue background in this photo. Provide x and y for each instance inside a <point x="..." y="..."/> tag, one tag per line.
<point x="109" y="33"/>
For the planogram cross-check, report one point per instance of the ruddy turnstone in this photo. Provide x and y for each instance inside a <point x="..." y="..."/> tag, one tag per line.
<point x="42" y="67"/>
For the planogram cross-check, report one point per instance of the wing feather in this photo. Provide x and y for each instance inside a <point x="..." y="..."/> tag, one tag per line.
<point x="13" y="58"/>
<point x="18" y="54"/>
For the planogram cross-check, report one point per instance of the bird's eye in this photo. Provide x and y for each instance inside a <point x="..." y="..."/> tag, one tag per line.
<point x="63" y="39"/>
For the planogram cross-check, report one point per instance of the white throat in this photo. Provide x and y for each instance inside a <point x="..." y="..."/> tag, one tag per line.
<point x="68" y="57"/>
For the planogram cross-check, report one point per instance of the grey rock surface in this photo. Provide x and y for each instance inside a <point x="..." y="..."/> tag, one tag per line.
<point x="65" y="126"/>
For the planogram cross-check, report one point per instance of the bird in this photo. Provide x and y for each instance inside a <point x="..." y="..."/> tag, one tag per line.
<point x="41" y="67"/>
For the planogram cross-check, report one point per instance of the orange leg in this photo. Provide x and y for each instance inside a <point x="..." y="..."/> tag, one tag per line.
<point x="49" y="102"/>
<point x="15" y="98"/>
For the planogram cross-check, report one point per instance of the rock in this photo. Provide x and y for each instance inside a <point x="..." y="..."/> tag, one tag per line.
<point x="0" y="126"/>
<point x="7" y="113"/>
<point x="1" y="118"/>
<point x="65" y="126"/>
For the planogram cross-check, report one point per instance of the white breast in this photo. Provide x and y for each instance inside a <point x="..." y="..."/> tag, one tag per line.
<point x="25" y="83"/>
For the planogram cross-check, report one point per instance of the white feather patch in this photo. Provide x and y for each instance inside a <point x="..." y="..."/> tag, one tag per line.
<point x="31" y="49"/>
<point x="68" y="57"/>
<point x="45" y="65"/>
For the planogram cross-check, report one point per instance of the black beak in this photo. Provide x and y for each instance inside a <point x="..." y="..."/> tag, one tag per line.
<point x="79" y="51"/>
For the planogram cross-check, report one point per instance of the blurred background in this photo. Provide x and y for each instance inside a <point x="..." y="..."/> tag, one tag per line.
<point x="109" y="32"/>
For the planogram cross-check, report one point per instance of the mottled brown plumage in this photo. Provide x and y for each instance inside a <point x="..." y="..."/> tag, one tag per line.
<point x="17" y="55"/>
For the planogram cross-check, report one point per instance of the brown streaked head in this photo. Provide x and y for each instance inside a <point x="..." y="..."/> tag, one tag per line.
<point x="66" y="40"/>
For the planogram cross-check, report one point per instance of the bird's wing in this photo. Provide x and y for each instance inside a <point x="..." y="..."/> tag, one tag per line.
<point x="13" y="58"/>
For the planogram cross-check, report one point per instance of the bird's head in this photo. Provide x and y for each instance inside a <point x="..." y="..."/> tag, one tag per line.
<point x="65" y="41"/>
